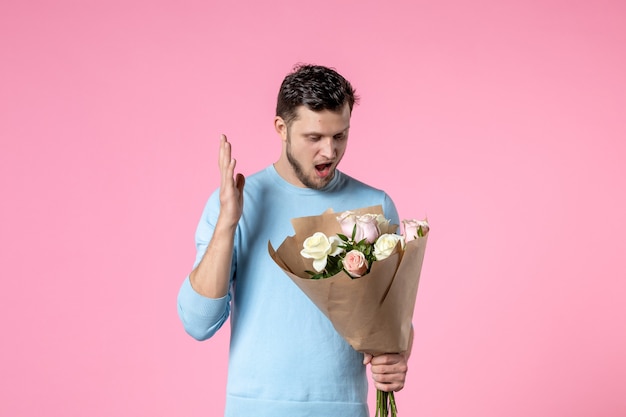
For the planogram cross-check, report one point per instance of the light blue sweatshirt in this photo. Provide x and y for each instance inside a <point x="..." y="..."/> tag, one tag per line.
<point x="286" y="359"/>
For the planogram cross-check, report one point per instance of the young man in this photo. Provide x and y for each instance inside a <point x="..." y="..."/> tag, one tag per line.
<point x="286" y="359"/>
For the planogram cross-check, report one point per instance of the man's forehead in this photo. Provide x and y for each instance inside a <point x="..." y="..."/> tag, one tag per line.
<point x="303" y="111"/>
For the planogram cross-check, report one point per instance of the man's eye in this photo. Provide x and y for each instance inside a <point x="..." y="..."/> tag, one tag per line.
<point x="340" y="136"/>
<point x="314" y="138"/>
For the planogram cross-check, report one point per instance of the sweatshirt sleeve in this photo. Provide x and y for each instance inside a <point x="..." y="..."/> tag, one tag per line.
<point x="389" y="208"/>
<point x="202" y="316"/>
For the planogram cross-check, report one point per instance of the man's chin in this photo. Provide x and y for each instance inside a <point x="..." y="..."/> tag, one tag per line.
<point x="316" y="182"/>
<point x="321" y="182"/>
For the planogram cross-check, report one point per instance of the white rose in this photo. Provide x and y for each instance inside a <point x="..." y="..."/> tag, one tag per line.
<point x="385" y="245"/>
<point x="318" y="247"/>
<point x="383" y="223"/>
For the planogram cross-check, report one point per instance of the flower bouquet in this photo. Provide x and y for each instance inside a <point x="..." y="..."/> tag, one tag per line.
<point x="361" y="275"/>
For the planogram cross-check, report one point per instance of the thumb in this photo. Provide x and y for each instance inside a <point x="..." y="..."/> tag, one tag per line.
<point x="367" y="358"/>
<point x="240" y="181"/>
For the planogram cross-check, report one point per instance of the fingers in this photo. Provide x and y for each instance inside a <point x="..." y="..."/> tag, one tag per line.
<point x="388" y="386"/>
<point x="389" y="381"/>
<point x="388" y="359"/>
<point x="389" y="371"/>
<point x="224" y="155"/>
<point x="227" y="166"/>
<point x="225" y="160"/>
<point x="231" y="188"/>
<point x="367" y="358"/>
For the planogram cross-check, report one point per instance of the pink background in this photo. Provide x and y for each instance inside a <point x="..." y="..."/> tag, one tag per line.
<point x="503" y="122"/>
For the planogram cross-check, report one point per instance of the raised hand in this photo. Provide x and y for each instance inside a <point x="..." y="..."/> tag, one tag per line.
<point x="212" y="275"/>
<point x="231" y="188"/>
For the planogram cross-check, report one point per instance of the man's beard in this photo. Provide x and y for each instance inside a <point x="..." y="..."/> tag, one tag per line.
<point x="297" y="169"/>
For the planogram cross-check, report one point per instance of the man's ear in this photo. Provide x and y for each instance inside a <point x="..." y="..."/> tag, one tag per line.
<point x="281" y="127"/>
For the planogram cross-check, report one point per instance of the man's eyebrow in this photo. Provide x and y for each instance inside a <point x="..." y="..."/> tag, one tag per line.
<point x="315" y="133"/>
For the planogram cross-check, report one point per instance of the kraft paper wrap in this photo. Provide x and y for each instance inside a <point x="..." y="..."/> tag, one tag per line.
<point x="372" y="313"/>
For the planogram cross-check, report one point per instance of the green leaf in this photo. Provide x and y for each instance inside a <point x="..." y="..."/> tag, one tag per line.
<point x="315" y="275"/>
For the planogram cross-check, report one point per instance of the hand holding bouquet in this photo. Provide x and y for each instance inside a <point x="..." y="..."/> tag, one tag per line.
<point x="361" y="275"/>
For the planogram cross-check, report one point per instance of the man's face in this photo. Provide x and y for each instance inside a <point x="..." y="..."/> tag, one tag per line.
<point x="315" y="144"/>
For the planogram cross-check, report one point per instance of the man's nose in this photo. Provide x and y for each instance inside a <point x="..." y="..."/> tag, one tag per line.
<point x="329" y="148"/>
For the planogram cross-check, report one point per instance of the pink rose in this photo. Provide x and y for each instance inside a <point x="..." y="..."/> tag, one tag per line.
<point x="347" y="220"/>
<point x="355" y="263"/>
<point x="367" y="228"/>
<point x="411" y="228"/>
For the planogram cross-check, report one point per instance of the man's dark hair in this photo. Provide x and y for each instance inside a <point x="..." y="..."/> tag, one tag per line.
<point x="316" y="87"/>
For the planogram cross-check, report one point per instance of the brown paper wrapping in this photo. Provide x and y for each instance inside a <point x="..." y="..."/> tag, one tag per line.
<point x="372" y="313"/>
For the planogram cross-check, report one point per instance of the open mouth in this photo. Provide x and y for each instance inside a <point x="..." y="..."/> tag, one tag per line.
<point x="323" y="169"/>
